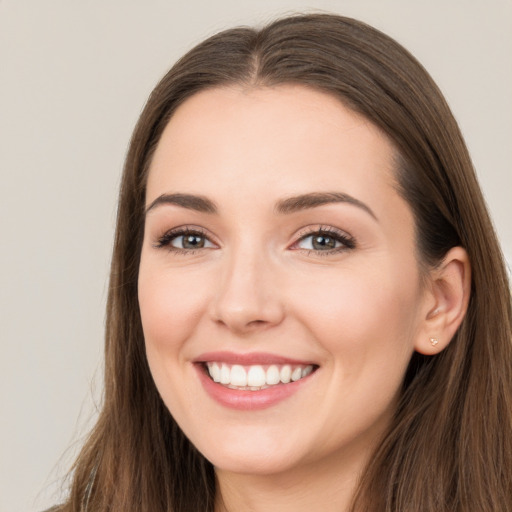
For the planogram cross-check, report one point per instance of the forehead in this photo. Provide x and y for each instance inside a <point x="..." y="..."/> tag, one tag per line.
<point x="284" y="140"/>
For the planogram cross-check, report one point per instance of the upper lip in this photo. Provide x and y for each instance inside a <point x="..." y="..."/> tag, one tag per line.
<point x="247" y="359"/>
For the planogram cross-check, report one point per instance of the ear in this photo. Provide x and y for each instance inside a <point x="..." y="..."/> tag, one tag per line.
<point x="446" y="302"/>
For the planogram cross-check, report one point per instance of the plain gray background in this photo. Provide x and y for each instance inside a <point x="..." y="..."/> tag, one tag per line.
<point x="74" y="76"/>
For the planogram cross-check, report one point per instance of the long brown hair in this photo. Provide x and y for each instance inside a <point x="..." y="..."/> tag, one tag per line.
<point x="449" y="447"/>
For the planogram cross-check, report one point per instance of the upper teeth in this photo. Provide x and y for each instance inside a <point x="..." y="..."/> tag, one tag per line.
<point x="256" y="376"/>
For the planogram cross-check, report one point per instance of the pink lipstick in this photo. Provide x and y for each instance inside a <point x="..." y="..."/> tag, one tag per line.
<point x="251" y="381"/>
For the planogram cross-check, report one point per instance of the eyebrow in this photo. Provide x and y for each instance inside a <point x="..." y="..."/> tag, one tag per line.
<point x="284" y="206"/>
<point x="189" y="201"/>
<point x="315" y="199"/>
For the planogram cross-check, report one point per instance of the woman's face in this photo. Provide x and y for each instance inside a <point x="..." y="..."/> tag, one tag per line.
<point x="279" y="290"/>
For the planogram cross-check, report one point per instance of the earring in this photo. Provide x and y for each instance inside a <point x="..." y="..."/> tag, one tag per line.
<point x="433" y="342"/>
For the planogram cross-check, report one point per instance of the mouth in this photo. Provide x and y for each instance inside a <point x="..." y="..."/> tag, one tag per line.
<point x="256" y="377"/>
<point x="252" y="381"/>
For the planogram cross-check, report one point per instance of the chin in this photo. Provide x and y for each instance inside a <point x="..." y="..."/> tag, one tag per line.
<point x="261" y="464"/>
<point x="255" y="457"/>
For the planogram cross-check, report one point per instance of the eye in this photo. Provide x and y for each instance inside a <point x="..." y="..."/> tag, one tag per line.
<point x="325" y="240"/>
<point x="184" y="240"/>
<point x="190" y="241"/>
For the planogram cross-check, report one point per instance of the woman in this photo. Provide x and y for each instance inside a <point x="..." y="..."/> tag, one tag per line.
<point x="308" y="307"/>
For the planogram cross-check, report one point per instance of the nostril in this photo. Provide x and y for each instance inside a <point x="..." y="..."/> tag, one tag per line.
<point x="257" y="322"/>
<point x="246" y="319"/>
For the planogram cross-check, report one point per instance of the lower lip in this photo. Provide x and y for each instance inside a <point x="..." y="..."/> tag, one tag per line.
<point x="249" y="400"/>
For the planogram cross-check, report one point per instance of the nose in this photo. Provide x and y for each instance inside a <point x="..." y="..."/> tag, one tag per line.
<point x="248" y="297"/>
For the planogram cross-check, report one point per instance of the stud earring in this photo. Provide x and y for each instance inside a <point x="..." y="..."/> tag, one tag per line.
<point x="433" y="342"/>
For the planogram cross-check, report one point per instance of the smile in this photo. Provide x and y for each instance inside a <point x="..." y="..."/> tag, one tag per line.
<point x="254" y="381"/>
<point x="256" y="377"/>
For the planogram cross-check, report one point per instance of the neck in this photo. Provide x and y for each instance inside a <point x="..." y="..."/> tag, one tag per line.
<point x="327" y="487"/>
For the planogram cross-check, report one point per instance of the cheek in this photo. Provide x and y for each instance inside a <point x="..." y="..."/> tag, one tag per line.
<point x="363" y="317"/>
<point x="367" y="332"/>
<point x="171" y="304"/>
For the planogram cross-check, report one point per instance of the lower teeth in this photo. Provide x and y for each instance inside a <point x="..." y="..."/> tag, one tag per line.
<point x="245" y="388"/>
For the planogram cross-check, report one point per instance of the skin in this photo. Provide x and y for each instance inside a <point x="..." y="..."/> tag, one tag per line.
<point x="257" y="285"/>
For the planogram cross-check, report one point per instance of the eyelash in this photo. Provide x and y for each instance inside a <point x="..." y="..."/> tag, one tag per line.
<point x="168" y="237"/>
<point x="347" y="241"/>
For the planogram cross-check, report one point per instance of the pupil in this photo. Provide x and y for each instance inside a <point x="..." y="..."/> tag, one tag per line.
<point x="193" y="241"/>
<point x="324" y="242"/>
